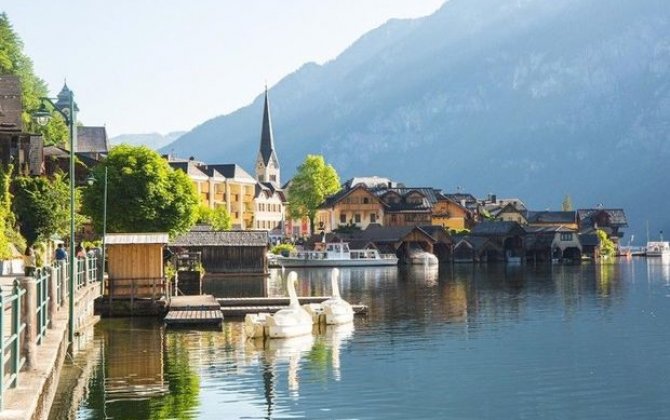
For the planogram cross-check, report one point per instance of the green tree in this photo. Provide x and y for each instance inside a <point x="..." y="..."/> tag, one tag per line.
<point x="314" y="181"/>
<point x="217" y="217"/>
<point x="42" y="206"/>
<point x="607" y="247"/>
<point x="144" y="194"/>
<point x="567" y="203"/>
<point x="6" y="215"/>
<point x="14" y="62"/>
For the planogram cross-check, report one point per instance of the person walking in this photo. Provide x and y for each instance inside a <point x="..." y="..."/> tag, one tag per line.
<point x="29" y="262"/>
<point x="61" y="254"/>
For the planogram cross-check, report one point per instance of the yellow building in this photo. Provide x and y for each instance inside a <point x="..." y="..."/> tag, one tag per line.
<point x="223" y="185"/>
<point x="450" y="214"/>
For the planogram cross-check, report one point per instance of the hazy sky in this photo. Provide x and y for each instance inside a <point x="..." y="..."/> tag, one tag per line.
<point x="142" y="66"/>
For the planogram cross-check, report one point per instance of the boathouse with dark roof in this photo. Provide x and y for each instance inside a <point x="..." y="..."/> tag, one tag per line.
<point x="226" y="252"/>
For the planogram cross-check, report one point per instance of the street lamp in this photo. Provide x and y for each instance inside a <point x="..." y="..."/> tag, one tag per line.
<point x="90" y="181"/>
<point x="42" y="116"/>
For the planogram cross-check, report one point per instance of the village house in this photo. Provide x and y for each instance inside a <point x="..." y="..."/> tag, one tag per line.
<point x="611" y="221"/>
<point x="356" y="206"/>
<point x="450" y="214"/>
<point x="18" y="148"/>
<point x="407" y="206"/>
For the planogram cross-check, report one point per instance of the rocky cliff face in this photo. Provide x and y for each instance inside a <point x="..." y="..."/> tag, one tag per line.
<point x="527" y="98"/>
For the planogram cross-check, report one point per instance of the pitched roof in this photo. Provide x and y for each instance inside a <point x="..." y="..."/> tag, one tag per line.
<point x="478" y="243"/>
<point x="225" y="238"/>
<point x="136" y="238"/>
<point x="229" y="170"/>
<point x="552" y="217"/>
<point x="342" y="193"/>
<point x="92" y="140"/>
<point x="189" y="167"/>
<point x="267" y="149"/>
<point x="378" y="233"/>
<point x="496" y="228"/>
<point x="11" y="106"/>
<point x="467" y="200"/>
<point x="370" y="182"/>
<point x="428" y="192"/>
<point x="617" y="217"/>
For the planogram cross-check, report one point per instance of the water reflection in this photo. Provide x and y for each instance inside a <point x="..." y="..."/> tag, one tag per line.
<point x="658" y="269"/>
<point x="508" y="342"/>
<point x="281" y="351"/>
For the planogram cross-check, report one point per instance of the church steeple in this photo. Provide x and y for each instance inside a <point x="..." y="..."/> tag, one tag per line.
<point x="267" y="163"/>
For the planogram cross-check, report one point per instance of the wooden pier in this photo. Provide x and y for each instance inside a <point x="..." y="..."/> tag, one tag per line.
<point x="193" y="310"/>
<point x="239" y="307"/>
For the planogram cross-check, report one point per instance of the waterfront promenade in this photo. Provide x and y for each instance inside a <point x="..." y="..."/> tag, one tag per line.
<point x="34" y="339"/>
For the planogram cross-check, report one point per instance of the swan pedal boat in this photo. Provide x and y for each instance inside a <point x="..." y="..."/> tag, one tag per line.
<point x="333" y="311"/>
<point x="293" y="321"/>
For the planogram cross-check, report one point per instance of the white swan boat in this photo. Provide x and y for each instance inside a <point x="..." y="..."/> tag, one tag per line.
<point x="417" y="256"/>
<point x="288" y="322"/>
<point x="334" y="310"/>
<point x="334" y="254"/>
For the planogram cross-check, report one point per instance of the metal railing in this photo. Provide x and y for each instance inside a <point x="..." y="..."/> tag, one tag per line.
<point x="10" y="339"/>
<point x="43" y="277"/>
<point x="18" y="329"/>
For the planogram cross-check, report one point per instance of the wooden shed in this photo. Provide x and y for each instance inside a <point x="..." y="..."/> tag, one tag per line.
<point x="135" y="265"/>
<point x="226" y="252"/>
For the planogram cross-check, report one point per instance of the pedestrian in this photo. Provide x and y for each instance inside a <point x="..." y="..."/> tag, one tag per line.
<point x="61" y="254"/>
<point x="30" y="261"/>
<point x="80" y="252"/>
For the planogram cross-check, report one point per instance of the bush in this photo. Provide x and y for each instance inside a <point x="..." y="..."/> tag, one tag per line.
<point x="282" y="249"/>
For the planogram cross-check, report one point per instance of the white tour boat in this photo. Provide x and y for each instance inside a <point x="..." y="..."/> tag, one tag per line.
<point x="334" y="254"/>
<point x="658" y="249"/>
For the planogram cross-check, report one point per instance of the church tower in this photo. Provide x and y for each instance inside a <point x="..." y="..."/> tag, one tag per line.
<point x="267" y="164"/>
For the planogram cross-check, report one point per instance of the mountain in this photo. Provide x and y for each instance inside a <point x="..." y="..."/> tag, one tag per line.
<point x="151" y="140"/>
<point x="529" y="98"/>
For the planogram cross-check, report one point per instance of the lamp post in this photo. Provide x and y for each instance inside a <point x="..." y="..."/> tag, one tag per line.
<point x="42" y="117"/>
<point x="91" y="180"/>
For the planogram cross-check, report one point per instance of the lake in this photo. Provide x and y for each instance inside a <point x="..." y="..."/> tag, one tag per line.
<point x="467" y="342"/>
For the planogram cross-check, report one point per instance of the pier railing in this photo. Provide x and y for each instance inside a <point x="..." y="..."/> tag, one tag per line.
<point x="11" y="328"/>
<point x="27" y="311"/>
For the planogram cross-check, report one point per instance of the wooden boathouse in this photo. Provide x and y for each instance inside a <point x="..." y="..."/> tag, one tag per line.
<point x="226" y="252"/>
<point x="135" y="265"/>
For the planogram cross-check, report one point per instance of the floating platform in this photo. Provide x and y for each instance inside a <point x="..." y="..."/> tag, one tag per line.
<point x="240" y="307"/>
<point x="193" y="310"/>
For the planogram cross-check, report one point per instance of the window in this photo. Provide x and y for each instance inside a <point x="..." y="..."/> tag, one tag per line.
<point x="357" y="218"/>
<point x="366" y="200"/>
<point x="373" y="217"/>
<point x="343" y="218"/>
<point x="273" y="178"/>
<point x="566" y="236"/>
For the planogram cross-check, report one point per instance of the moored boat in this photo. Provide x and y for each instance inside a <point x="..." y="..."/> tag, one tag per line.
<point x="334" y="254"/>
<point x="658" y="249"/>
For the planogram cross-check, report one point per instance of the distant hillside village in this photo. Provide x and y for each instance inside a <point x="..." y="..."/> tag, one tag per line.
<point x="367" y="212"/>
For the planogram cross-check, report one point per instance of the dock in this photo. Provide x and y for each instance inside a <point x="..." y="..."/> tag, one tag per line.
<point x="239" y="307"/>
<point x="194" y="310"/>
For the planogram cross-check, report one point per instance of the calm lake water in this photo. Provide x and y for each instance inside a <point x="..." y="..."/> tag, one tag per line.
<point x="466" y="342"/>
